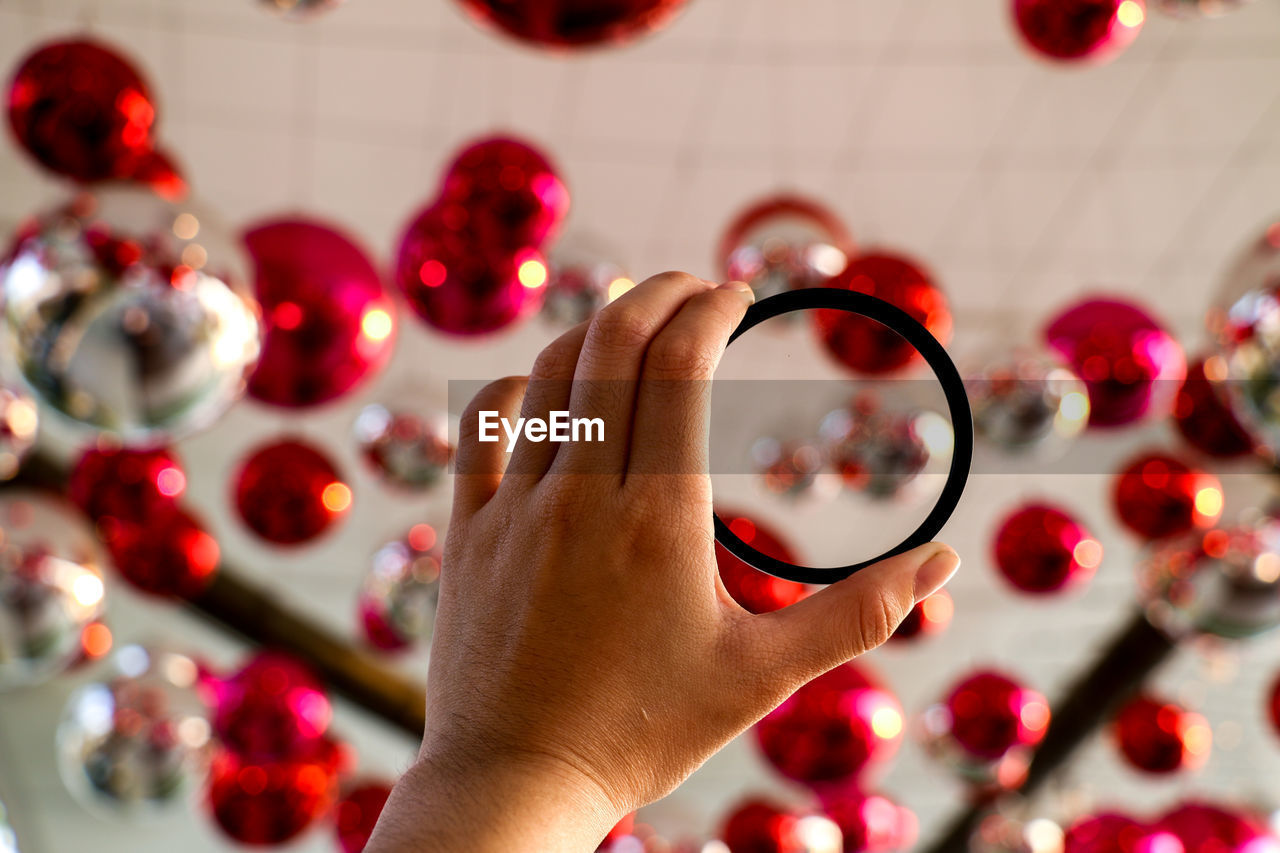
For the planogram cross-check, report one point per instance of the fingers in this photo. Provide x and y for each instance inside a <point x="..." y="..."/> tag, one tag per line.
<point x="853" y="616"/>
<point x="479" y="463"/>
<point x="672" y="421"/>
<point x="609" y="367"/>
<point x="549" y="389"/>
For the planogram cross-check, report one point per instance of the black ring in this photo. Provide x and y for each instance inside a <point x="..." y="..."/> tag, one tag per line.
<point x="927" y="345"/>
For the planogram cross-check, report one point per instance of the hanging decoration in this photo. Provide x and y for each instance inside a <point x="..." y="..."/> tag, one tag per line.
<point x="987" y="727"/>
<point x="128" y="314"/>
<point x="397" y="602"/>
<point x="1160" y="737"/>
<point x="1223" y="582"/>
<point x="582" y="278"/>
<point x="51" y="587"/>
<point x="1158" y="496"/>
<point x="566" y="24"/>
<point x="288" y="492"/>
<point x="1131" y="366"/>
<point x="357" y="813"/>
<point x="1204" y="826"/>
<point x="832" y="730"/>
<point x="1041" y="549"/>
<point x="1203" y="415"/>
<point x="1079" y="30"/>
<point x="880" y="452"/>
<point x="136" y="741"/>
<point x="1109" y="832"/>
<point x="862" y="344"/>
<point x="407" y="450"/>
<point x="929" y="616"/>
<point x="472" y="262"/>
<point x="756" y="591"/>
<point x="871" y="823"/>
<point x="19" y="421"/>
<point x="758" y="825"/>
<point x="328" y="325"/>
<point x="784" y="242"/>
<point x="1024" y="401"/>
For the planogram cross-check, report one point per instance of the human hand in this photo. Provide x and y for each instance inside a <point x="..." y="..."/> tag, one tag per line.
<point x="586" y="656"/>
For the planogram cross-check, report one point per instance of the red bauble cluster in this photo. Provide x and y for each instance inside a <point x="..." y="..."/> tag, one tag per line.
<point x="1158" y="496"/>
<point x="987" y="727"/>
<point x="1041" y="549"/>
<point x="574" y="23"/>
<point x="1156" y="736"/>
<point x="288" y="492"/>
<point x="133" y="496"/>
<point x="81" y="110"/>
<point x="1202" y="416"/>
<point x="327" y="322"/>
<point x="1075" y="30"/>
<point x="472" y="261"/>
<point x="753" y="589"/>
<point x="357" y="813"/>
<point x="871" y="823"/>
<point x="1204" y="827"/>
<point x="277" y="769"/>
<point x="928" y="617"/>
<point x="1130" y="365"/>
<point x="861" y="343"/>
<point x="832" y="729"/>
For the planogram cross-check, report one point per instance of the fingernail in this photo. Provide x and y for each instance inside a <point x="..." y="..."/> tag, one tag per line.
<point x="935" y="572"/>
<point x="740" y="287"/>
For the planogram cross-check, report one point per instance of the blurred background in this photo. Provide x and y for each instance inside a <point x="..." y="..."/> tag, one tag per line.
<point x="357" y="204"/>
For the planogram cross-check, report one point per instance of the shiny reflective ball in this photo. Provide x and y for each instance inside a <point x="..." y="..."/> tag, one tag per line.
<point x="755" y="590"/>
<point x="1203" y="415"/>
<point x="1157" y="496"/>
<point x="272" y="708"/>
<point x="563" y="24"/>
<point x="357" y="812"/>
<point x="127" y="314"/>
<point x="1079" y="30"/>
<point x="407" y="450"/>
<point x="1039" y="548"/>
<point x="397" y="603"/>
<point x="783" y="243"/>
<point x="1022" y="401"/>
<point x="1158" y="736"/>
<point x="288" y="492"/>
<point x="137" y="739"/>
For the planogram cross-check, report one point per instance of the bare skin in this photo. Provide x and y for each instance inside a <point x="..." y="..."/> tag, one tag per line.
<point x="586" y="657"/>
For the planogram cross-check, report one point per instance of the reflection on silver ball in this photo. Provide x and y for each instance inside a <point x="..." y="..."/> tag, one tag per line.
<point x="137" y="740"/>
<point x="127" y="313"/>
<point x="51" y="586"/>
<point x="398" y="599"/>
<point x="581" y="280"/>
<point x="406" y="449"/>
<point x="1198" y="8"/>
<point x="1222" y="583"/>
<point x="789" y="468"/>
<point x="879" y="452"/>
<point x="1022" y="401"/>
<point x="784" y="243"/>
<point x="19" y="420"/>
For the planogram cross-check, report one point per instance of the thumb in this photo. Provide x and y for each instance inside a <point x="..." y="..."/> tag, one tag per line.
<point x="854" y="615"/>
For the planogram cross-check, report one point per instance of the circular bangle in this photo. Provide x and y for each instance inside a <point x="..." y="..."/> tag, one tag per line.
<point x="944" y="369"/>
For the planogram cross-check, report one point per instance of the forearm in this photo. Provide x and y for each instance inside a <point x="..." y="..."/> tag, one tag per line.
<point x="497" y="810"/>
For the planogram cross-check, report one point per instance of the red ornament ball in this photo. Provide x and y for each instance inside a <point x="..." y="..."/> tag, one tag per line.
<point x="870" y="823"/>
<point x="82" y="111"/>
<point x="755" y="590"/>
<point x="271" y="802"/>
<point x="832" y="729"/>
<point x="1130" y="365"/>
<point x="1273" y="705"/>
<point x="1156" y="736"/>
<point x="1041" y="549"/>
<point x="357" y="813"/>
<point x="1209" y="828"/>
<point x="273" y="708"/>
<point x="760" y="826"/>
<point x="328" y="324"/>
<point x="1158" y="496"/>
<point x="574" y="23"/>
<point x="991" y="714"/>
<point x="288" y="492"/>
<point x="166" y="554"/>
<point x="127" y="484"/>
<point x="928" y="617"/>
<point x="1109" y="832"/>
<point x="458" y="286"/>
<point x="1202" y="416"/>
<point x="506" y="193"/>
<point x="1075" y="30"/>
<point x="621" y="829"/>
<point x="861" y="343"/>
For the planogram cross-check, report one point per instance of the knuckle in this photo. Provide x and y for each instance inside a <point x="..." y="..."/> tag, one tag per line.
<point x="556" y="361"/>
<point x="878" y="617"/>
<point x="678" y="356"/>
<point x="619" y="329"/>
<point x="677" y="277"/>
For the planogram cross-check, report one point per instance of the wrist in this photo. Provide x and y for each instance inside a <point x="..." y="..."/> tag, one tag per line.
<point x="495" y="806"/>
